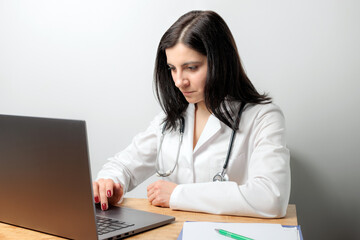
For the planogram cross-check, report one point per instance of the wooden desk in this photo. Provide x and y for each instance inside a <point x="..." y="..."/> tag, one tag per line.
<point x="170" y="231"/>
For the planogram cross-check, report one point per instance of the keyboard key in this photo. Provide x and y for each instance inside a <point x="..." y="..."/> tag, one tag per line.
<point x="106" y="225"/>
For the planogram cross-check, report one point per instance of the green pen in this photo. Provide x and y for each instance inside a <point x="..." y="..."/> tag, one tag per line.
<point x="232" y="235"/>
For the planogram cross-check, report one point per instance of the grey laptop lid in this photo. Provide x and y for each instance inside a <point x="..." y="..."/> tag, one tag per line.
<point x="45" y="181"/>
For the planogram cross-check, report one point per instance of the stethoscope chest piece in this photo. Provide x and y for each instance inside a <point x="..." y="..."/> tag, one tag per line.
<point x="220" y="177"/>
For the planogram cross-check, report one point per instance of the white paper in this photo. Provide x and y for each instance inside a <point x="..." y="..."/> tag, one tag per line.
<point x="257" y="231"/>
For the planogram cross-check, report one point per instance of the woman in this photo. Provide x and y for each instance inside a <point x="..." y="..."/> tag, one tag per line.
<point x="199" y="80"/>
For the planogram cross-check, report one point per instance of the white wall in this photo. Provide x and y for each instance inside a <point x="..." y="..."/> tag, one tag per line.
<point x="94" y="60"/>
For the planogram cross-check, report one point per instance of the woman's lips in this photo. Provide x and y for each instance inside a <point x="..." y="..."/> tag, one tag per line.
<point x="187" y="93"/>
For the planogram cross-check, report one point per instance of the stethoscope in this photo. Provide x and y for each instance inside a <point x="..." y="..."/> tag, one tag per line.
<point x="220" y="176"/>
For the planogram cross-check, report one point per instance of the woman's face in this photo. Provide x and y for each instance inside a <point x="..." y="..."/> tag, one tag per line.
<point x="188" y="69"/>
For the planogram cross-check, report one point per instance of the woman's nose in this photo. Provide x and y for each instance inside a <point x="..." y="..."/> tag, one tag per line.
<point x="180" y="80"/>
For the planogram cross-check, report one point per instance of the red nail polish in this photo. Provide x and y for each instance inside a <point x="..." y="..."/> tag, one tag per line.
<point x="109" y="193"/>
<point x="96" y="199"/>
<point x="103" y="206"/>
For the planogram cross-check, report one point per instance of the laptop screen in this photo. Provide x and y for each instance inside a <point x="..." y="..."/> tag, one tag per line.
<point x="45" y="172"/>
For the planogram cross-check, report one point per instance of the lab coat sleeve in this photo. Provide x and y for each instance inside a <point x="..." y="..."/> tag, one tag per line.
<point x="136" y="163"/>
<point x="267" y="189"/>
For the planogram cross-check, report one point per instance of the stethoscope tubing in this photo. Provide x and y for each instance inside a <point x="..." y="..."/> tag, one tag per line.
<point x="182" y="129"/>
<point x="221" y="176"/>
<point x="232" y="138"/>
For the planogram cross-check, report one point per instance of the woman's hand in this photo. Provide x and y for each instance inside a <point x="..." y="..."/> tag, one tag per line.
<point x="159" y="193"/>
<point x="107" y="192"/>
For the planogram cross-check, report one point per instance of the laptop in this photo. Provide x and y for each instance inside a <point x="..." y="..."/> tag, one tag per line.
<point x="45" y="182"/>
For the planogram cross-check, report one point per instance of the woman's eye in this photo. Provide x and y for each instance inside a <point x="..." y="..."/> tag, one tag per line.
<point x="171" y="68"/>
<point x="192" y="68"/>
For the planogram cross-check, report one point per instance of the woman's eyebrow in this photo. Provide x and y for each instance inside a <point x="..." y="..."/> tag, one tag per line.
<point x="187" y="63"/>
<point x="191" y="62"/>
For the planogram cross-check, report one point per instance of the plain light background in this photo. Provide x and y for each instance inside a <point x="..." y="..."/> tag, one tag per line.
<point x="93" y="60"/>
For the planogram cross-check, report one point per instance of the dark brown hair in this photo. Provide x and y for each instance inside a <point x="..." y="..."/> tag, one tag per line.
<point x="207" y="33"/>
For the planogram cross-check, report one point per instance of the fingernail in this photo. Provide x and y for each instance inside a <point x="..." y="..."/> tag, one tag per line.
<point x="96" y="199"/>
<point x="109" y="193"/>
<point x="103" y="206"/>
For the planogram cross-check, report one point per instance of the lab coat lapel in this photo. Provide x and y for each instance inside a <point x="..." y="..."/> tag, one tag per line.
<point x="211" y="128"/>
<point x="189" y="130"/>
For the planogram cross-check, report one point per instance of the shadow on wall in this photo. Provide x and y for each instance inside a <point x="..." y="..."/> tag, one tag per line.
<point x="323" y="212"/>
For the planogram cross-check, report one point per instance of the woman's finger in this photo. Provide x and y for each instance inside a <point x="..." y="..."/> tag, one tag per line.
<point x="116" y="193"/>
<point x="103" y="196"/>
<point x="109" y="186"/>
<point x="96" y="192"/>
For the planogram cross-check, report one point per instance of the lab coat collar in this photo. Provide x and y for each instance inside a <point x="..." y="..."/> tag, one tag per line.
<point x="212" y="126"/>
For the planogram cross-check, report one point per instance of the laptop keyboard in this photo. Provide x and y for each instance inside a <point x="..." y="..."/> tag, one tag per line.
<point x="106" y="225"/>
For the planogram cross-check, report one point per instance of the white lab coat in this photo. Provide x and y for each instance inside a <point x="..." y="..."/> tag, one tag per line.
<point x="259" y="171"/>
